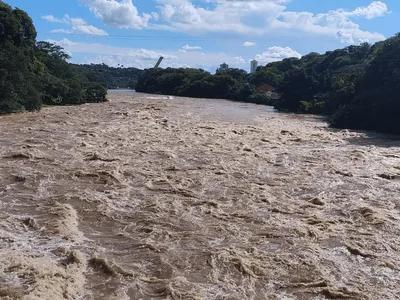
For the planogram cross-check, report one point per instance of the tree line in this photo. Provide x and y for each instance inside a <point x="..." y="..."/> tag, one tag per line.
<point x="110" y="77"/>
<point x="233" y="84"/>
<point x="35" y="73"/>
<point x="355" y="87"/>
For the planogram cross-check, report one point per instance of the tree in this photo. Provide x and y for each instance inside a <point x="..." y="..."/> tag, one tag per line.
<point x="19" y="88"/>
<point x="95" y="93"/>
<point x="376" y="104"/>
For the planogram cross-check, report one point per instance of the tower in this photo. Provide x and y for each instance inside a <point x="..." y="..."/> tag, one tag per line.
<point x="253" y="66"/>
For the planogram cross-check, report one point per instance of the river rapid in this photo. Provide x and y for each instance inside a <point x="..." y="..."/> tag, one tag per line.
<point x="155" y="197"/>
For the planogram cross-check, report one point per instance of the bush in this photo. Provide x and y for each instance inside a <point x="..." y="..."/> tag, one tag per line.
<point x="259" y="98"/>
<point x="73" y="95"/>
<point x="96" y="93"/>
<point x="312" y="107"/>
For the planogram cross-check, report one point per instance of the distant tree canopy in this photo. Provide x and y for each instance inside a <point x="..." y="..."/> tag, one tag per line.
<point x="227" y="84"/>
<point x="375" y="104"/>
<point x="111" y="78"/>
<point x="18" y="67"/>
<point x="33" y="73"/>
<point x="356" y="87"/>
<point x="322" y="83"/>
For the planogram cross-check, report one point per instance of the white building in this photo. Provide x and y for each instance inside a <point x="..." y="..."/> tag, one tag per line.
<point x="253" y="66"/>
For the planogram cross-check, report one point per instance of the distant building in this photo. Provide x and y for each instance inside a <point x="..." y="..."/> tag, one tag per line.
<point x="223" y="67"/>
<point x="253" y="66"/>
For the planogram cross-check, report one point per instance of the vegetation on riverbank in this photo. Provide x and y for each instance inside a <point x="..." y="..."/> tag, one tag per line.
<point x="230" y="84"/>
<point x="355" y="87"/>
<point x="110" y="77"/>
<point x="35" y="73"/>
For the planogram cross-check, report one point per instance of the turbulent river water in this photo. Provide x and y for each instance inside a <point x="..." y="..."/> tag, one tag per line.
<point x="153" y="197"/>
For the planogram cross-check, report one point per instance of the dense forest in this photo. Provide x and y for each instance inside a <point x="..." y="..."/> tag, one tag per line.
<point x="356" y="87"/>
<point x="111" y="78"/>
<point x="35" y="73"/>
<point x="228" y="84"/>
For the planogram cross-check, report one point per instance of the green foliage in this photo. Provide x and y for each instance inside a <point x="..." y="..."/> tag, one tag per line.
<point x="260" y="98"/>
<point x="19" y="88"/>
<point x="268" y="75"/>
<point x="312" y="107"/>
<point x="32" y="73"/>
<point x="331" y="77"/>
<point x="357" y="87"/>
<point x="226" y="84"/>
<point x="111" y="78"/>
<point x="375" y="104"/>
<point x="95" y="93"/>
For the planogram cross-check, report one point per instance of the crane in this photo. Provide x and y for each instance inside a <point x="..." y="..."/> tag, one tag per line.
<point x="158" y="62"/>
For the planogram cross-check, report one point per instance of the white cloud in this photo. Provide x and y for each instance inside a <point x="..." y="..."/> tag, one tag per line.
<point x="345" y="37"/>
<point x="276" y="53"/>
<point x="249" y="44"/>
<point x="67" y="42"/>
<point x="121" y="14"/>
<point x="155" y="16"/>
<point x="226" y="16"/>
<point x="187" y="47"/>
<point x="271" y="17"/>
<point x="52" y="19"/>
<point x="61" y="30"/>
<point x="251" y="17"/>
<point x="78" y="26"/>
<point x="144" y="58"/>
<point x="374" y="10"/>
<point x="336" y="23"/>
<point x="240" y="60"/>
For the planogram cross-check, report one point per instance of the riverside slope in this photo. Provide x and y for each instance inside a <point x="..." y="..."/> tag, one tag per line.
<point x="153" y="197"/>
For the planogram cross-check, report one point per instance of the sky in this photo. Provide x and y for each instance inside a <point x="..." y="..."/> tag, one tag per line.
<point x="206" y="33"/>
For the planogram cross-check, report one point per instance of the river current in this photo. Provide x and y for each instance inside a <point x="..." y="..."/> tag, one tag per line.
<point x="155" y="197"/>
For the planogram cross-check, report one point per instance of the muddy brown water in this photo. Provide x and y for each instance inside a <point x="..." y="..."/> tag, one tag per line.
<point x="153" y="197"/>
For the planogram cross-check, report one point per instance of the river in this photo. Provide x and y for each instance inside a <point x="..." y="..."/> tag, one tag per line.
<point x="120" y="91"/>
<point x="156" y="197"/>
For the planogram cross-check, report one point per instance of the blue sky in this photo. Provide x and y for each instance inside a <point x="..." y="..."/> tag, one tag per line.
<point x="206" y="33"/>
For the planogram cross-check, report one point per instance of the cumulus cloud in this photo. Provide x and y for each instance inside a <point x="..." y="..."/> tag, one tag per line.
<point x="78" y="26"/>
<point x="224" y="16"/>
<point x="276" y="53"/>
<point x="123" y="14"/>
<point x="238" y="16"/>
<point x="240" y="60"/>
<point x="144" y="58"/>
<point x="374" y="10"/>
<point x="188" y="48"/>
<point x="249" y="44"/>
<point x="344" y="36"/>
<point x="271" y="15"/>
<point x="337" y="23"/>
<point x="52" y="19"/>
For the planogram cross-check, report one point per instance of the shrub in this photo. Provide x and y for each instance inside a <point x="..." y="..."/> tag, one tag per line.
<point x="96" y="93"/>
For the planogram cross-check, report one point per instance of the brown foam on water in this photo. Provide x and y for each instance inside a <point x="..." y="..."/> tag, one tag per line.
<point x="154" y="197"/>
<point x="33" y="268"/>
<point x="64" y="222"/>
